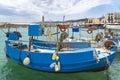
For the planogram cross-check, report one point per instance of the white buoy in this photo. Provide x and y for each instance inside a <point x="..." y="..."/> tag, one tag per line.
<point x="119" y="44"/>
<point x="52" y="65"/>
<point x="57" y="67"/>
<point x="26" y="61"/>
<point x="56" y="58"/>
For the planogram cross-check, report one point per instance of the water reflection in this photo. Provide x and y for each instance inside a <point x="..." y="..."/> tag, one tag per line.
<point x="13" y="71"/>
<point x="9" y="70"/>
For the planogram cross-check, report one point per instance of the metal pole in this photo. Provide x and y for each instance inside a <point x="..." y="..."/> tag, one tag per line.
<point x="57" y="41"/>
<point x="80" y="32"/>
<point x="30" y="43"/>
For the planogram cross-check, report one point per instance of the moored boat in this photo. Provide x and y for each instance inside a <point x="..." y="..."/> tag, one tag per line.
<point x="58" y="56"/>
<point x="114" y="36"/>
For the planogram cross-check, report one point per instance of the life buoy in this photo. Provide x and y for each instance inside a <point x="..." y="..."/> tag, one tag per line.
<point x="89" y="31"/>
<point x="62" y="30"/>
<point x="63" y="27"/>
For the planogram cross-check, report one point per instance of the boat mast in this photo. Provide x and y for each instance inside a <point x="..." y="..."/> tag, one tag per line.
<point x="30" y="43"/>
<point x="43" y="25"/>
<point x="57" y="41"/>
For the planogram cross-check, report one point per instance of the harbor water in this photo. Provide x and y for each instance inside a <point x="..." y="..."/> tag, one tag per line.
<point x="9" y="70"/>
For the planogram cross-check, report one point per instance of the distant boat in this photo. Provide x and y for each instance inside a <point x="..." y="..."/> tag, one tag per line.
<point x="113" y="36"/>
<point x="113" y="26"/>
<point x="58" y="56"/>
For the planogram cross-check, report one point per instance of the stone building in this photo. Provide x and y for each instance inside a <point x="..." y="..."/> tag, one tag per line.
<point x="93" y="20"/>
<point x="111" y="18"/>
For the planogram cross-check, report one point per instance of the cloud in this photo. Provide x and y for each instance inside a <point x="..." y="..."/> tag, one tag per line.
<point x="80" y="7"/>
<point x="21" y="8"/>
<point x="34" y="9"/>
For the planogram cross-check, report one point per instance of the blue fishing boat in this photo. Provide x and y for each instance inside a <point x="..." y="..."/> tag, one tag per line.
<point x="60" y="55"/>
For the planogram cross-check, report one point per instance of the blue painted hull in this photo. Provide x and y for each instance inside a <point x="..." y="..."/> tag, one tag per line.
<point x="82" y="60"/>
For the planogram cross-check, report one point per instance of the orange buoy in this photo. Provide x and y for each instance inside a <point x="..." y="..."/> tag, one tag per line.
<point x="93" y="27"/>
<point x="63" y="27"/>
<point x="89" y="31"/>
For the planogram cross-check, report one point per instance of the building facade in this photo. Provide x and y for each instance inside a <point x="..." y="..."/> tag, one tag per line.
<point x="111" y="18"/>
<point x="93" y="21"/>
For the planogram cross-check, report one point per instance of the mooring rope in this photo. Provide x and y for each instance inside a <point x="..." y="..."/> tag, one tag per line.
<point x="96" y="56"/>
<point x="107" y="71"/>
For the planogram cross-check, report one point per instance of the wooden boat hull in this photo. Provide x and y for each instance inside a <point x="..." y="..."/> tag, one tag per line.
<point x="70" y="61"/>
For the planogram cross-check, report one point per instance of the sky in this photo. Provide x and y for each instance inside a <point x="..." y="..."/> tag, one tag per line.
<point x="54" y="10"/>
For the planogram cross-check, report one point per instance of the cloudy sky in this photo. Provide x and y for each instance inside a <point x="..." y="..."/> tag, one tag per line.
<point x="54" y="10"/>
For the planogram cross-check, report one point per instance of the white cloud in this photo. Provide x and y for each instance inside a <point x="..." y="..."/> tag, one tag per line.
<point x="85" y="5"/>
<point x="22" y="7"/>
<point x="34" y="9"/>
<point x="80" y="7"/>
